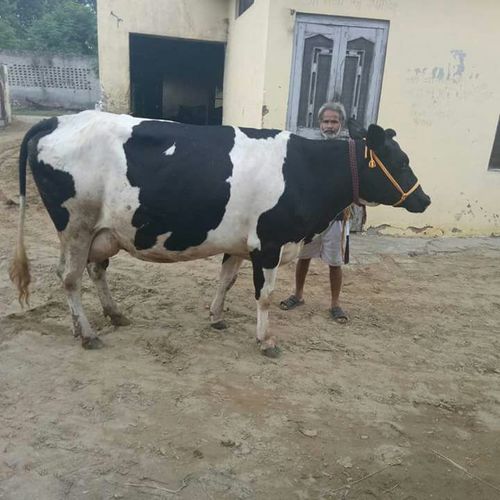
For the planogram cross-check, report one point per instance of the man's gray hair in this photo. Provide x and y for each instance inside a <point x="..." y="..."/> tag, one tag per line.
<point x="338" y="107"/>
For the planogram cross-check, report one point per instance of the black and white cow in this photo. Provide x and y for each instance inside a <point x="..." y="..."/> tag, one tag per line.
<point x="168" y="192"/>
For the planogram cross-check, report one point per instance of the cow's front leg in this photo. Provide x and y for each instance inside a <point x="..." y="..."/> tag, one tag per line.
<point x="97" y="273"/>
<point x="265" y="269"/>
<point x="228" y="275"/>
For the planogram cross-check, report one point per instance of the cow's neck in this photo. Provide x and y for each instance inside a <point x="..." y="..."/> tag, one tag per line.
<point x="331" y="160"/>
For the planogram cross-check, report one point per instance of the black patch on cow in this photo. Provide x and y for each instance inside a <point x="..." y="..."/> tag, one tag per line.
<point x="55" y="186"/>
<point x="318" y="185"/>
<point x="255" y="133"/>
<point x="184" y="193"/>
<point x="38" y="130"/>
<point x="267" y="258"/>
<point x="258" y="272"/>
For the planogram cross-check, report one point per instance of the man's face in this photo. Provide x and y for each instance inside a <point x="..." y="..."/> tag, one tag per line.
<point x="330" y="124"/>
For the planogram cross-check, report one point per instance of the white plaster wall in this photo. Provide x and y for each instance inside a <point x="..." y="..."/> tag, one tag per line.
<point x="245" y="65"/>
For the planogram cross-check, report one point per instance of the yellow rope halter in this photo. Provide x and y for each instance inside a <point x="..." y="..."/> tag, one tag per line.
<point x="375" y="161"/>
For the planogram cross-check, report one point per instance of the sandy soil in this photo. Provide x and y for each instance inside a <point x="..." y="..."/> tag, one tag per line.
<point x="401" y="403"/>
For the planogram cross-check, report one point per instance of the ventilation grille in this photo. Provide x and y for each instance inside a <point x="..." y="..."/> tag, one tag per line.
<point x="56" y="77"/>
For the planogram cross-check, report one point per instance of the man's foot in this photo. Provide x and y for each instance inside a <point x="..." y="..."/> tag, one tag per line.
<point x="338" y="315"/>
<point x="291" y="303"/>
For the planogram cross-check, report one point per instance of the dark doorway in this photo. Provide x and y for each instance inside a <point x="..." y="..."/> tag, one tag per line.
<point x="178" y="80"/>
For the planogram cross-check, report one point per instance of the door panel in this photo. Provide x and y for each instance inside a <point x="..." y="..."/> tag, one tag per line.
<point x="316" y="64"/>
<point x="356" y="77"/>
<point x="335" y="59"/>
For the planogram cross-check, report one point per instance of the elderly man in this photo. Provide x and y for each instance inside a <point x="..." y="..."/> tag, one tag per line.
<point x="330" y="245"/>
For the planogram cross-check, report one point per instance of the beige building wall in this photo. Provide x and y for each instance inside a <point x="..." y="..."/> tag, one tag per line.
<point x="193" y="19"/>
<point x="440" y="93"/>
<point x="245" y="65"/>
<point x="440" y="87"/>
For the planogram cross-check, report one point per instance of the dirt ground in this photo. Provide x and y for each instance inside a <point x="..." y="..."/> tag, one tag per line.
<point x="401" y="403"/>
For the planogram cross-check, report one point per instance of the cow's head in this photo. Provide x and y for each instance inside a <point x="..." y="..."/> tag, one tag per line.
<point x="385" y="175"/>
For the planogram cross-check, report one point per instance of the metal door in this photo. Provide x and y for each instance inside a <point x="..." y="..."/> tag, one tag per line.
<point x="335" y="59"/>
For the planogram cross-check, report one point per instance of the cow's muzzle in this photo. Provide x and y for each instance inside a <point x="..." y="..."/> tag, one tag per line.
<point x="418" y="202"/>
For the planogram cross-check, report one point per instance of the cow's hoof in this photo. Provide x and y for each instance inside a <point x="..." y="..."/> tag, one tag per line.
<point x="271" y="352"/>
<point x="219" y="325"/>
<point x="92" y="343"/>
<point x="119" y="320"/>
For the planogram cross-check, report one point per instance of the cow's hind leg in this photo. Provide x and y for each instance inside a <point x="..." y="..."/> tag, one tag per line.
<point x="265" y="269"/>
<point x="74" y="254"/>
<point x="228" y="275"/>
<point x="97" y="273"/>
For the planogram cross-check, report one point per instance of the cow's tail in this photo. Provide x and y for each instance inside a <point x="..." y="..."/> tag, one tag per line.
<point x="19" y="270"/>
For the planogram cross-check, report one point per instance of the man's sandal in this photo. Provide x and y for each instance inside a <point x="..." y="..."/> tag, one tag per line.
<point x="338" y="315"/>
<point x="291" y="303"/>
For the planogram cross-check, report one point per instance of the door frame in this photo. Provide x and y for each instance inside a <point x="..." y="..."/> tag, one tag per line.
<point x="335" y="22"/>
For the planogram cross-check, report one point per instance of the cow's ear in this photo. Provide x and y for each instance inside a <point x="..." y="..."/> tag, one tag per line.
<point x="390" y="133"/>
<point x="375" y="138"/>
<point x="356" y="130"/>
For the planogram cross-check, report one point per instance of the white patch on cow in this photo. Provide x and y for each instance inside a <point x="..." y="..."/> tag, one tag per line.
<point x="89" y="146"/>
<point x="263" y="305"/>
<point x="368" y="203"/>
<point x="256" y="185"/>
<point x="157" y="252"/>
<point x="270" y="280"/>
<point x="170" y="151"/>
<point x="290" y="251"/>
